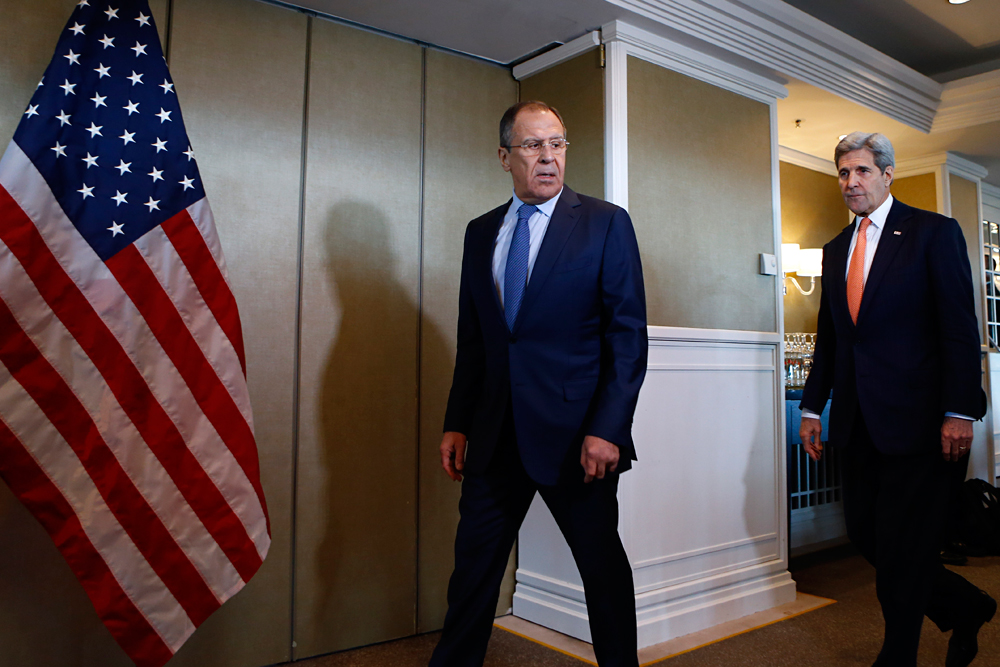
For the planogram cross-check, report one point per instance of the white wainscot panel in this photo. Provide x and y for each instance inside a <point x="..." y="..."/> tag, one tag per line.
<point x="703" y="510"/>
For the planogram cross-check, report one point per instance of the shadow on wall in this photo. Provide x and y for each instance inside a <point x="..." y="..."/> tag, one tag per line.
<point x="366" y="562"/>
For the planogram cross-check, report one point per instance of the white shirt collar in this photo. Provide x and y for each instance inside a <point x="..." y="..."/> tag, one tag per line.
<point x="546" y="207"/>
<point x="879" y="215"/>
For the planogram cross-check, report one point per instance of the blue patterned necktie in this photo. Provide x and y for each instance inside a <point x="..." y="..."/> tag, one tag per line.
<point x="515" y="277"/>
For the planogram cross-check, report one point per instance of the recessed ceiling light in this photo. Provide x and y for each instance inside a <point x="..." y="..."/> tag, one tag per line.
<point x="841" y="137"/>
<point x="958" y="2"/>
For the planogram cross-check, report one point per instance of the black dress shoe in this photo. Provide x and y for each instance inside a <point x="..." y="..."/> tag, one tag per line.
<point x="964" y="644"/>
<point x="964" y="549"/>
<point x="949" y="557"/>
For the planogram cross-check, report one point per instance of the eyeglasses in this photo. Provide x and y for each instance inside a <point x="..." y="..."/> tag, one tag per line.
<point x="558" y="146"/>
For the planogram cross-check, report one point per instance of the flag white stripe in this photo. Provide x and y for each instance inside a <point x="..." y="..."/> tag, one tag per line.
<point x="201" y="213"/>
<point x="170" y="271"/>
<point x="21" y="179"/>
<point x="60" y="463"/>
<point x="61" y="350"/>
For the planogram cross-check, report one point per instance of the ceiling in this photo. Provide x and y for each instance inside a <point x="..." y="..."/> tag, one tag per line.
<point x="823" y="117"/>
<point x="934" y="37"/>
<point x="942" y="41"/>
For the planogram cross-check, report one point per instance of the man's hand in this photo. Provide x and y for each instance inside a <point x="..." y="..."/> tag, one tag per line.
<point x="810" y="431"/>
<point x="453" y="454"/>
<point x="597" y="456"/>
<point x="956" y="438"/>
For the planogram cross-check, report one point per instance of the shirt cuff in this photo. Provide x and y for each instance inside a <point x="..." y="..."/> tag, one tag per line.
<point x="809" y="414"/>
<point x="949" y="414"/>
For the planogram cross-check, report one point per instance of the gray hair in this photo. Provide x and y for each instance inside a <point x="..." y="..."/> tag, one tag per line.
<point x="510" y="116"/>
<point x="876" y="142"/>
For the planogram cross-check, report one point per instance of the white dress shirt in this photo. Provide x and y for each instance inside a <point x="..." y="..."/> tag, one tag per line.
<point x="538" y="224"/>
<point x="872" y="235"/>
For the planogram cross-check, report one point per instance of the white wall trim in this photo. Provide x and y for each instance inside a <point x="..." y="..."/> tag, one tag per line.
<point x="674" y="618"/>
<point x="965" y="168"/>
<point x="955" y="164"/>
<point x="971" y="101"/>
<point x="800" y="159"/>
<point x="927" y="164"/>
<point x="943" y="191"/>
<point x="709" y="368"/>
<point x="616" y="123"/>
<point x="777" y="35"/>
<point x="691" y="62"/>
<point x="724" y="577"/>
<point x="689" y="334"/>
<point x="670" y="558"/>
<point x="560" y="54"/>
<point x="781" y="449"/>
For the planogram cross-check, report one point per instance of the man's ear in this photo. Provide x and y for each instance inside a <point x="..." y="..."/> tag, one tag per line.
<point x="888" y="174"/>
<point x="504" y="158"/>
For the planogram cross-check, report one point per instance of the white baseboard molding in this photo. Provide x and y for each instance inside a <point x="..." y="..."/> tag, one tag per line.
<point x="662" y="620"/>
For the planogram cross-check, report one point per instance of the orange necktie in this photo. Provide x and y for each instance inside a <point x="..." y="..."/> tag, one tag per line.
<point x="856" y="272"/>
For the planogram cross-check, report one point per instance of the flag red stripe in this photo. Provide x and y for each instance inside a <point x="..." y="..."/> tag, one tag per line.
<point x="33" y="488"/>
<point x="64" y="410"/>
<point x="163" y="319"/>
<point x="190" y="246"/>
<point x="129" y="387"/>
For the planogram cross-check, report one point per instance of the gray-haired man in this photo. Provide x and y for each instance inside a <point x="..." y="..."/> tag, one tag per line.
<point x="898" y="343"/>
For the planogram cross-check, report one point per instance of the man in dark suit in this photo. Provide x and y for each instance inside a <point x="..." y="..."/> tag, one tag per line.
<point x="551" y="354"/>
<point x="898" y="343"/>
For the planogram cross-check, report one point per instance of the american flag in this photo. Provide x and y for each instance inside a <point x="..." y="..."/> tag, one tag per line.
<point x="125" y="422"/>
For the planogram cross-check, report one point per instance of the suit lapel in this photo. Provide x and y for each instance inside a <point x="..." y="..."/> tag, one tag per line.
<point x="564" y="219"/>
<point x="888" y="246"/>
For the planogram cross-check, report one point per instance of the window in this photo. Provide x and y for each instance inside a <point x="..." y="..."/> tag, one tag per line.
<point x="991" y="257"/>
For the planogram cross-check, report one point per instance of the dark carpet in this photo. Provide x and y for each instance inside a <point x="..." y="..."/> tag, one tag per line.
<point x="844" y="634"/>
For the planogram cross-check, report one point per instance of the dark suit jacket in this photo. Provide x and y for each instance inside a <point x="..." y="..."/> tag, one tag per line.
<point x="576" y="357"/>
<point x="914" y="353"/>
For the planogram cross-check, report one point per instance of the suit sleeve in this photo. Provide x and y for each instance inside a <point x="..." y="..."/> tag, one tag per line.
<point x="624" y="343"/>
<point x="958" y="329"/>
<point x="824" y="361"/>
<point x="467" y="382"/>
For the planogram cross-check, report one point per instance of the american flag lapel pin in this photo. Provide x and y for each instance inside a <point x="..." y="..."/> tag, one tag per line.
<point x="898" y="233"/>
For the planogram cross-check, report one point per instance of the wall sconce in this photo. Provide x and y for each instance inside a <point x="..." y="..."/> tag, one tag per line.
<point x="806" y="262"/>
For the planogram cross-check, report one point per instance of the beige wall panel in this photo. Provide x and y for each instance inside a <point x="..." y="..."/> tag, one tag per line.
<point x="812" y="213"/>
<point x="576" y="89"/>
<point x="355" y="563"/>
<point x="28" y="35"/>
<point x="161" y="14"/>
<point x="700" y="198"/>
<point x="239" y="67"/>
<point x="965" y="209"/>
<point x="462" y="179"/>
<point x="919" y="191"/>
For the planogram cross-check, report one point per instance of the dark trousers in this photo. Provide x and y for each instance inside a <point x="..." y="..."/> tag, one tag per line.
<point x="492" y="507"/>
<point x="895" y="509"/>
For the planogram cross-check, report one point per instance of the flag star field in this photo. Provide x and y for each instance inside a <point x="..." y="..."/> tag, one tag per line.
<point x="105" y="102"/>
